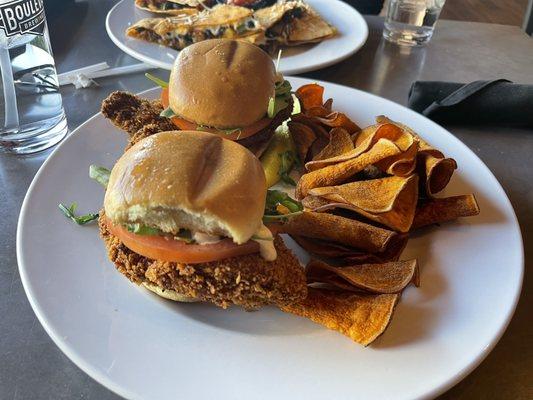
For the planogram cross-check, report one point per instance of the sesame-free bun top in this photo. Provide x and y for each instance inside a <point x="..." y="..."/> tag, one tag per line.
<point x="222" y="83"/>
<point x="188" y="179"/>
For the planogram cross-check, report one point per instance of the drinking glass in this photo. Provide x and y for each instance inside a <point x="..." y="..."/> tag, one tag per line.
<point x="31" y="110"/>
<point x="411" y="22"/>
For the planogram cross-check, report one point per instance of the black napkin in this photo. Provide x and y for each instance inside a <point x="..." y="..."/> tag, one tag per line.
<point x="497" y="102"/>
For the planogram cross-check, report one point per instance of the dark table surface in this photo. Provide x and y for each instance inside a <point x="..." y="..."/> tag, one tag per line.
<point x="32" y="367"/>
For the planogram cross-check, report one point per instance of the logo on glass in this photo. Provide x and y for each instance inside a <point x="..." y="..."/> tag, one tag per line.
<point x="22" y="16"/>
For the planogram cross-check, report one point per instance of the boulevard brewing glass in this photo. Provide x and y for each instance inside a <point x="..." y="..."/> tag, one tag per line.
<point x="31" y="111"/>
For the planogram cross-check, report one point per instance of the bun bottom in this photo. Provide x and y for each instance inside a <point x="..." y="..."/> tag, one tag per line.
<point x="168" y="293"/>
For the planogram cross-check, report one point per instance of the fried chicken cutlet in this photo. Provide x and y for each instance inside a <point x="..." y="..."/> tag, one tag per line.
<point x="247" y="281"/>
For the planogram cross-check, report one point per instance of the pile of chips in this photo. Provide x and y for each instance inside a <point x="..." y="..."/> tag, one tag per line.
<point x="364" y="191"/>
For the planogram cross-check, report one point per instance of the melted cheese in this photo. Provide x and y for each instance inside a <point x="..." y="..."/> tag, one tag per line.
<point x="204" y="238"/>
<point x="266" y="243"/>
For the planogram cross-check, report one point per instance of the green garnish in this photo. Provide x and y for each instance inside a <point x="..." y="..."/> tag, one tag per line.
<point x="156" y="80"/>
<point x="281" y="98"/>
<point x="99" y="174"/>
<point x="70" y="212"/>
<point x="277" y="198"/>
<point x="288" y="159"/>
<point x="168" y="113"/>
<point x="141" y="229"/>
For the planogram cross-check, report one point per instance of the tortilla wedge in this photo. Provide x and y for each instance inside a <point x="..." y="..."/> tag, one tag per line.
<point x="363" y="318"/>
<point x="185" y="7"/>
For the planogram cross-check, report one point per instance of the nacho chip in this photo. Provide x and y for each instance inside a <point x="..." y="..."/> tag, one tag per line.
<point x="390" y="201"/>
<point x="340" y="142"/>
<point x="363" y="318"/>
<point x="310" y="95"/>
<point x="340" y="172"/>
<point x="383" y="278"/>
<point x="303" y="137"/>
<point x="338" y="229"/>
<point x="435" y="211"/>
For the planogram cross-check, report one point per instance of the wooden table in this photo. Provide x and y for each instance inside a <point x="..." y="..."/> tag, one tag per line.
<point x="32" y="367"/>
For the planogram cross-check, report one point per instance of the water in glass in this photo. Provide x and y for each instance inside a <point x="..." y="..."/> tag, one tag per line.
<point x="411" y="22"/>
<point x="31" y="111"/>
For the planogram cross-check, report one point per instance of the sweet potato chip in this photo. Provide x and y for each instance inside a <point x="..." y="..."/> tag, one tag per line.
<point x="364" y="141"/>
<point x="310" y="96"/>
<point x="328" y="105"/>
<point x="435" y="211"/>
<point x="402" y="164"/>
<point x="363" y="318"/>
<point x="340" y="142"/>
<point x="435" y="172"/>
<point x="303" y="137"/>
<point x="311" y="122"/>
<point x="317" y="112"/>
<point x="349" y="255"/>
<point x="340" y="172"/>
<point x="381" y="278"/>
<point x="339" y="120"/>
<point x="390" y="201"/>
<point x="338" y="229"/>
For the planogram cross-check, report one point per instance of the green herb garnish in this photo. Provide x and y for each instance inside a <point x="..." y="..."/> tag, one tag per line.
<point x="99" y="174"/>
<point x="168" y="113"/>
<point x="281" y="98"/>
<point x="141" y="229"/>
<point x="70" y="212"/>
<point x="276" y="198"/>
<point x="156" y="80"/>
<point x="288" y="159"/>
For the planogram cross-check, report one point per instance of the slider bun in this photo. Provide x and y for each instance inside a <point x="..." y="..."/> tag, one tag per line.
<point x="169" y="294"/>
<point x="188" y="179"/>
<point x="222" y="83"/>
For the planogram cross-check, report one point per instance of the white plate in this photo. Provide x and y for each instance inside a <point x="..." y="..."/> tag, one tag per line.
<point x="353" y="32"/>
<point x="141" y="346"/>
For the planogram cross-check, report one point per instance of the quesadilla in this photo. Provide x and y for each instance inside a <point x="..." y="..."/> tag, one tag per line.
<point x="221" y="21"/>
<point x="170" y="7"/>
<point x="293" y="23"/>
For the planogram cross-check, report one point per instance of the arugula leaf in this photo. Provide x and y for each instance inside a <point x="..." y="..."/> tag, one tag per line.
<point x="168" y="113"/>
<point x="70" y="212"/>
<point x="156" y="80"/>
<point x="287" y="161"/>
<point x="275" y="198"/>
<point x="99" y="174"/>
<point x="141" y="229"/>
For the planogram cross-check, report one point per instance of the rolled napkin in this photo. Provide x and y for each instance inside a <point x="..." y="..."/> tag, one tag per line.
<point x="497" y="102"/>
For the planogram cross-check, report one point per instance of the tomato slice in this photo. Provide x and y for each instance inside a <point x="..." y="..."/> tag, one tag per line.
<point x="164" y="248"/>
<point x="242" y="133"/>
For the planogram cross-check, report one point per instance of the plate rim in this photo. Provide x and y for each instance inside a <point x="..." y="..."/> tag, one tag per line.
<point x="122" y="391"/>
<point x="168" y="66"/>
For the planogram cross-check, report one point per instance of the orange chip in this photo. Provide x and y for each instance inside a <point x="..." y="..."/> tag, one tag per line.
<point x="363" y="318"/>
<point x="310" y="96"/>
<point x="391" y="201"/>
<point x="435" y="211"/>
<point x="382" y="278"/>
<point x="339" y="120"/>
<point x="338" y="229"/>
<point x="435" y="172"/>
<point x="340" y="142"/>
<point x="303" y="138"/>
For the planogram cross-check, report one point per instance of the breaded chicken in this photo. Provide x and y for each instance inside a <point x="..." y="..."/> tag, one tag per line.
<point x="138" y="117"/>
<point x="247" y="281"/>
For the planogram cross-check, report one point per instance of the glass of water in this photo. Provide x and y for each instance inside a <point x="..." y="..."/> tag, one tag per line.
<point x="411" y="22"/>
<point x="31" y="110"/>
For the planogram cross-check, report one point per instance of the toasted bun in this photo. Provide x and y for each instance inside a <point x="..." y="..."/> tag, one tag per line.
<point x="168" y="294"/>
<point x="193" y="180"/>
<point x="222" y="83"/>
